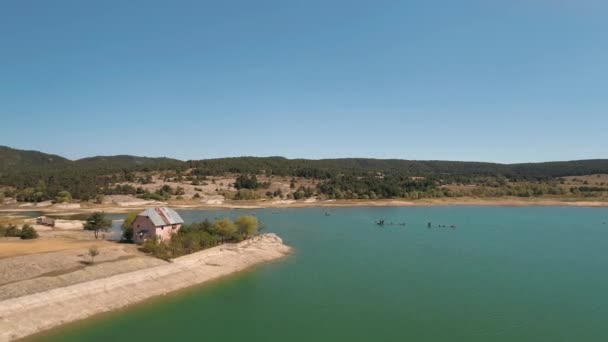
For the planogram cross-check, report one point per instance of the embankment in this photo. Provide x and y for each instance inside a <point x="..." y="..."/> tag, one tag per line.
<point x="37" y="312"/>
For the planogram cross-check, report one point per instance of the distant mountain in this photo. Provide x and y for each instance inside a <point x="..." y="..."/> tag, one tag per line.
<point x="128" y="162"/>
<point x="11" y="158"/>
<point x="16" y="160"/>
<point x="39" y="176"/>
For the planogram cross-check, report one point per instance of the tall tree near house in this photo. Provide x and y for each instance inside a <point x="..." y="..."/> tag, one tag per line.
<point x="127" y="226"/>
<point x="96" y="222"/>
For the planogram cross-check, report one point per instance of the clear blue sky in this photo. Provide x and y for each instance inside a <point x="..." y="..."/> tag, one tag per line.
<point x="487" y="80"/>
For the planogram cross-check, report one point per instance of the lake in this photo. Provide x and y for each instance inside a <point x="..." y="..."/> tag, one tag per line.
<point x="503" y="274"/>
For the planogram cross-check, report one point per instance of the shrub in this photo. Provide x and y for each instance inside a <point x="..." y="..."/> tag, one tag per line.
<point x="10" y="231"/>
<point x="93" y="252"/>
<point x="28" y="232"/>
<point x="63" y="197"/>
<point x="127" y="226"/>
<point x="246" y="182"/>
<point x="298" y="195"/>
<point x="247" y="226"/>
<point x="197" y="236"/>
<point x="224" y="228"/>
<point x="246" y="194"/>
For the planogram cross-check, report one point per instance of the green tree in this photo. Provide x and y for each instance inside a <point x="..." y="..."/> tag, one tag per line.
<point x="246" y="182"/>
<point x="224" y="228"/>
<point x="299" y="195"/>
<point x="247" y="226"/>
<point x="127" y="226"/>
<point x="11" y="231"/>
<point x="63" y="197"/>
<point x="246" y="194"/>
<point x="28" y="232"/>
<point x="96" y="222"/>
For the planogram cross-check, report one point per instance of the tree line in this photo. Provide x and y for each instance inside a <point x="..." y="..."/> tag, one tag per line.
<point x="194" y="237"/>
<point x="34" y="176"/>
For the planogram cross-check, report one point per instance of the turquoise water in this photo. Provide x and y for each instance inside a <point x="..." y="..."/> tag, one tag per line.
<point x="504" y="274"/>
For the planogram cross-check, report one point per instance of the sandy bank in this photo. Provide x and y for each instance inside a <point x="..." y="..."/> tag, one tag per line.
<point x="260" y="204"/>
<point x="48" y="309"/>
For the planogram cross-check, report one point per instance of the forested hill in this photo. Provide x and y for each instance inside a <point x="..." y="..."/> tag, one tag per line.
<point x="327" y="167"/>
<point x="38" y="172"/>
<point x="12" y="159"/>
<point x="15" y="161"/>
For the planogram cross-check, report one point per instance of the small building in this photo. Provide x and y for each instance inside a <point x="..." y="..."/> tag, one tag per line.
<point x="45" y="221"/>
<point x="161" y="223"/>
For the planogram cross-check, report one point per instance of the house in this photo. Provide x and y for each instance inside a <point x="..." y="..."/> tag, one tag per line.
<point x="45" y="221"/>
<point x="161" y="223"/>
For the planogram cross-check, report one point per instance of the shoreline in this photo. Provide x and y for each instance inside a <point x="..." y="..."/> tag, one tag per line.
<point x="461" y="201"/>
<point x="83" y="300"/>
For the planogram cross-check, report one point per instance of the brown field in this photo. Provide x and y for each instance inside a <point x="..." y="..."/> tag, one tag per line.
<point x="14" y="246"/>
<point x="591" y="180"/>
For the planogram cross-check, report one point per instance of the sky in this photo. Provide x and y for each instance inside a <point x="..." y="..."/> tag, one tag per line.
<point x="483" y="80"/>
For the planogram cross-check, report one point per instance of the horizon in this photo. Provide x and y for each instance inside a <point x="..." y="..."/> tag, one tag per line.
<point x="298" y="158"/>
<point x="475" y="81"/>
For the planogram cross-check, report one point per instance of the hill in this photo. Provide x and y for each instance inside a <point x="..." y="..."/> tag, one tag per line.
<point x="20" y="159"/>
<point x="35" y="176"/>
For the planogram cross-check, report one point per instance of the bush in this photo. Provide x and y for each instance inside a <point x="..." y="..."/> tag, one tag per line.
<point x="197" y="236"/>
<point x="127" y="226"/>
<point x="246" y="182"/>
<point x="157" y="248"/>
<point x="246" y="194"/>
<point x="224" y="228"/>
<point x="28" y="232"/>
<point x="63" y="197"/>
<point x="298" y="195"/>
<point x="10" y="231"/>
<point x="247" y="226"/>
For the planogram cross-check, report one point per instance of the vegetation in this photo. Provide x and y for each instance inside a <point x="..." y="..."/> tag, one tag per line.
<point x="246" y="182"/>
<point x="63" y="196"/>
<point x="9" y="231"/>
<point x="97" y="222"/>
<point x="246" y="194"/>
<point x="201" y="235"/>
<point x="93" y="252"/>
<point x="26" y="232"/>
<point x="127" y="226"/>
<point x="34" y="176"/>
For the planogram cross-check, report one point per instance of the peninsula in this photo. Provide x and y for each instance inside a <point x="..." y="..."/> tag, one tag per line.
<point x="84" y="299"/>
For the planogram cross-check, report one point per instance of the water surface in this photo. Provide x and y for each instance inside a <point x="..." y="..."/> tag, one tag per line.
<point x="504" y="274"/>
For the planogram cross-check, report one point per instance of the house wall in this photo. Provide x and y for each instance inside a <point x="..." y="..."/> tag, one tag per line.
<point x="143" y="223"/>
<point x="162" y="232"/>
